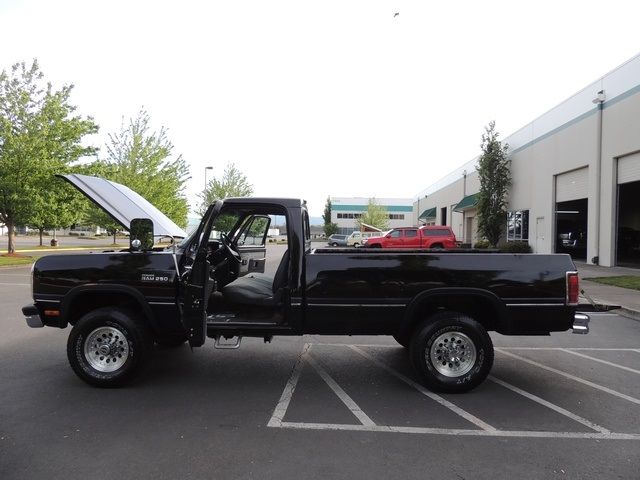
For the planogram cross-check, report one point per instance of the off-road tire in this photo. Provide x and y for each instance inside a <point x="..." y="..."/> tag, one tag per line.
<point x="451" y="352"/>
<point x="109" y="347"/>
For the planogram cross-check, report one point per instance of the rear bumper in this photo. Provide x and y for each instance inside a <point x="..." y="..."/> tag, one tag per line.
<point x="581" y="323"/>
<point x="32" y="316"/>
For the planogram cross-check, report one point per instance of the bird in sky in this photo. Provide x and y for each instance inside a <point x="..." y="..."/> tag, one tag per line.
<point x="396" y="15"/>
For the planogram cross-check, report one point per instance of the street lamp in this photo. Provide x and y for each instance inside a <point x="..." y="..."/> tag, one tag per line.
<point x="205" y="176"/>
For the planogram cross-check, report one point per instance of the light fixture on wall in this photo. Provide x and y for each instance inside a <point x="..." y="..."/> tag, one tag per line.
<point x="600" y="98"/>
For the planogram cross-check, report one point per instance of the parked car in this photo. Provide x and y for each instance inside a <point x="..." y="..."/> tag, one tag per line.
<point x="337" y="240"/>
<point x="357" y="239"/>
<point x="440" y="236"/>
<point x="572" y="235"/>
<point x="365" y="241"/>
<point x="628" y="240"/>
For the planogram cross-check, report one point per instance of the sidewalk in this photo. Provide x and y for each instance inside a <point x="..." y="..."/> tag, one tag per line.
<point x="628" y="300"/>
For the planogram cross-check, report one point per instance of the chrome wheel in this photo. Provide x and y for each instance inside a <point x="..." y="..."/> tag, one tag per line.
<point x="452" y="354"/>
<point x="451" y="351"/>
<point x="106" y="349"/>
<point x="109" y="346"/>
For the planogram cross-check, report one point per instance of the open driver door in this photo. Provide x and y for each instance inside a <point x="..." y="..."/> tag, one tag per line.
<point x="196" y="283"/>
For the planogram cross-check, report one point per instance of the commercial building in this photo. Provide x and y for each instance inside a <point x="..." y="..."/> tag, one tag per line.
<point x="345" y="212"/>
<point x="575" y="178"/>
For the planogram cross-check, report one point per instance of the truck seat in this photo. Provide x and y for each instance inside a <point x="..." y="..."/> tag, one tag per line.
<point x="259" y="288"/>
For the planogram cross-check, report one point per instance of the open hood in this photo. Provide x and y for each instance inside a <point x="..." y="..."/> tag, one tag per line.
<point x="123" y="204"/>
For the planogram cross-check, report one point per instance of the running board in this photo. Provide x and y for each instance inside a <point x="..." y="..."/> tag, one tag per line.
<point x="220" y="342"/>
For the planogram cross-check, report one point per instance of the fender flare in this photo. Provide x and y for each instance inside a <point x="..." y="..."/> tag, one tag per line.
<point x="70" y="297"/>
<point x="431" y="296"/>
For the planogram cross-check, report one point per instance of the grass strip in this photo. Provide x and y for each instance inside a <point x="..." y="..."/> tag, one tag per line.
<point x="631" y="282"/>
<point x="10" y="260"/>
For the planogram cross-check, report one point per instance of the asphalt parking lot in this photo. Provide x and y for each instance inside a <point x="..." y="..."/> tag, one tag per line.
<point x="564" y="406"/>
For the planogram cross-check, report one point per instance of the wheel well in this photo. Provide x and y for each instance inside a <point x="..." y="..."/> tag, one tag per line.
<point x="88" y="301"/>
<point x="481" y="308"/>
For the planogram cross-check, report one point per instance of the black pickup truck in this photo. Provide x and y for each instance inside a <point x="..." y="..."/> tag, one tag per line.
<point x="212" y="284"/>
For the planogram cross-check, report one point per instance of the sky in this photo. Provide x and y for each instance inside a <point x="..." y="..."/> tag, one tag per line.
<point x="311" y="99"/>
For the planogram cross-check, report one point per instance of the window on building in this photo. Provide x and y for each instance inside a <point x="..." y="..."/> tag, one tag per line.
<point x="518" y="226"/>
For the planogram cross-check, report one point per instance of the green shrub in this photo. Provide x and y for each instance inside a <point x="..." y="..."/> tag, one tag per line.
<point x="515" y="247"/>
<point x="483" y="244"/>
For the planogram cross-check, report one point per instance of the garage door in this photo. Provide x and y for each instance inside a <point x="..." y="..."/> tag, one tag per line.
<point x="572" y="185"/>
<point x="629" y="168"/>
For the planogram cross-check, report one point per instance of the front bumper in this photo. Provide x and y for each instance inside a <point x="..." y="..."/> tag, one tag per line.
<point x="32" y="316"/>
<point x="581" y="323"/>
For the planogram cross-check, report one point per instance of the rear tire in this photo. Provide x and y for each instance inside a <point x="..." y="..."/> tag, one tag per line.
<point x="109" y="347"/>
<point x="451" y="352"/>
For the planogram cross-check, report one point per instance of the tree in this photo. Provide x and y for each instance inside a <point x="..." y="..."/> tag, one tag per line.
<point x="39" y="137"/>
<point x="376" y="216"/>
<point x="57" y="210"/>
<point x="329" y="227"/>
<point x="494" y="176"/>
<point x="141" y="160"/>
<point x="232" y="184"/>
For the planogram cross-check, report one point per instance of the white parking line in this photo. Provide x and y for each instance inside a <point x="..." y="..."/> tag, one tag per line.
<point x="571" y="377"/>
<point x="342" y="395"/>
<point x="622" y="367"/>
<point x="458" y="432"/>
<point x="368" y="425"/>
<point x="551" y="406"/>
<point x="466" y="415"/>
<point x="594" y="349"/>
<point x="290" y="387"/>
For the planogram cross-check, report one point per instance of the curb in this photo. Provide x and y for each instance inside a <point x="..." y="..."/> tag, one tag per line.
<point x="626" y="312"/>
<point x="621" y="310"/>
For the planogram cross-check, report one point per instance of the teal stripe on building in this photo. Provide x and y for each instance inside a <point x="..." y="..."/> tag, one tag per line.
<point x="363" y="208"/>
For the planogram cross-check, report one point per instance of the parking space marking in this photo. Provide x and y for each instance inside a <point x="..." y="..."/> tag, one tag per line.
<point x="368" y="425"/>
<point x="342" y="395"/>
<point x="571" y="377"/>
<point x="459" y="432"/>
<point x="466" y="415"/>
<point x="290" y="387"/>
<point x="594" y="349"/>
<point x="551" y="406"/>
<point x="594" y="359"/>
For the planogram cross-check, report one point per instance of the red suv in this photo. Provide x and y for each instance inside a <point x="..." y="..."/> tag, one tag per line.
<point x="416" y="237"/>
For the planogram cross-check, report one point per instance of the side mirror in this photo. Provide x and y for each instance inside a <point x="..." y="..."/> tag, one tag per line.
<point x="141" y="234"/>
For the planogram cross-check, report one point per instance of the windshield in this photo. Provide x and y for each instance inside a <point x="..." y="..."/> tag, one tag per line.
<point x="224" y="223"/>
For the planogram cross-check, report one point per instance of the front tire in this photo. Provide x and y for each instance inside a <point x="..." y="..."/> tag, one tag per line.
<point x="452" y="352"/>
<point x="109" y="347"/>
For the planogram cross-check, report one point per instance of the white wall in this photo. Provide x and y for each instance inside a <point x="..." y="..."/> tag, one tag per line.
<point x="565" y="138"/>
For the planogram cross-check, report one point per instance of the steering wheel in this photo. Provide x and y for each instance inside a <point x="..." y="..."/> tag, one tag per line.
<point x="228" y="244"/>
